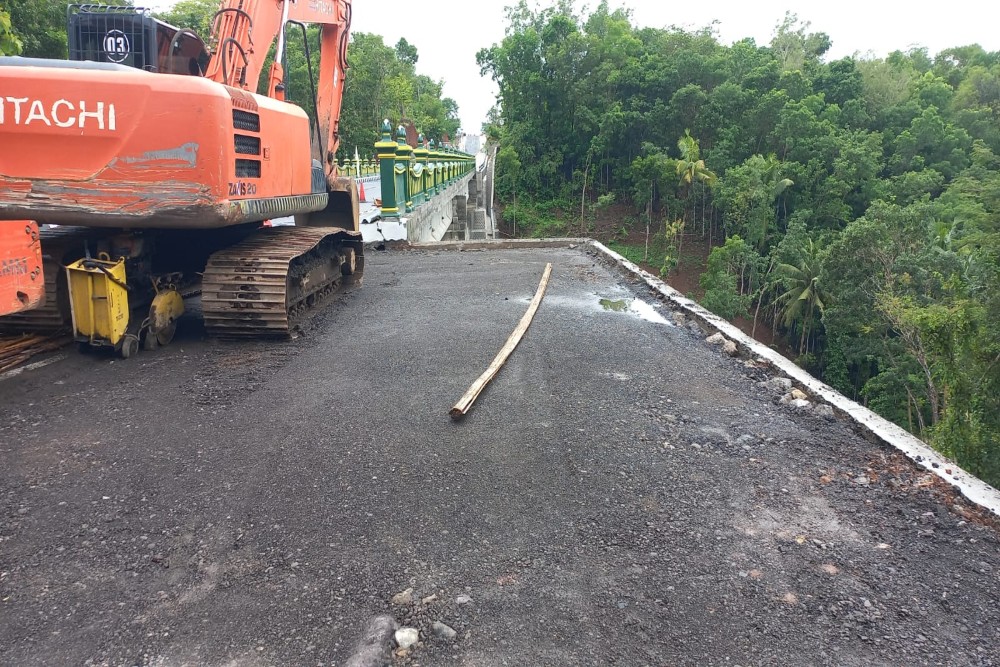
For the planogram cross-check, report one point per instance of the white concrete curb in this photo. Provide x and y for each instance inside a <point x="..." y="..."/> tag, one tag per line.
<point x="885" y="431"/>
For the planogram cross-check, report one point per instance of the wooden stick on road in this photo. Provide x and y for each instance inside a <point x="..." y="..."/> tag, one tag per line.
<point x="472" y="393"/>
<point x="16" y="350"/>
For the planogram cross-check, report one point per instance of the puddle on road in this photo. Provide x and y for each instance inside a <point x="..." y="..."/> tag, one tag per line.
<point x="597" y="303"/>
<point x="618" y="306"/>
<point x="637" y="307"/>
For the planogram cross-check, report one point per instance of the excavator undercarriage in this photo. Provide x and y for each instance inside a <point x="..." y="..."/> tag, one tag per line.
<point x="266" y="285"/>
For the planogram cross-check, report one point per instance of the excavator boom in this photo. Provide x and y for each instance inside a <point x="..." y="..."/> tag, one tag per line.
<point x="245" y="29"/>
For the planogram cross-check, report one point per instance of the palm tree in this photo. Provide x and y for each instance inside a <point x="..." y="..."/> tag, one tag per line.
<point x="775" y="186"/>
<point x="766" y="187"/>
<point x="803" y="295"/>
<point x="691" y="169"/>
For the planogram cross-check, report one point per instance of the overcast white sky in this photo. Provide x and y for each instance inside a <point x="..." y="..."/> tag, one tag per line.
<point x="448" y="33"/>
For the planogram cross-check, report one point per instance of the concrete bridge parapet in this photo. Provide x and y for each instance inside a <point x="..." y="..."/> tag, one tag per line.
<point x="428" y="187"/>
<point x="441" y="213"/>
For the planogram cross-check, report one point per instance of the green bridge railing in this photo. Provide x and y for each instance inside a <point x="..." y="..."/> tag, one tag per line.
<point x="412" y="176"/>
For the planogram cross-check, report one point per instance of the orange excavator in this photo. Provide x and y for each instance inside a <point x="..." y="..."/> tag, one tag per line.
<point x="151" y="162"/>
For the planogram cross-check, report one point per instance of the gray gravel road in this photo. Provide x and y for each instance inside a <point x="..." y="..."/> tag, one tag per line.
<point x="622" y="494"/>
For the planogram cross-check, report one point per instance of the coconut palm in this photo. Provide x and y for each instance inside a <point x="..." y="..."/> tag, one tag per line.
<point x="774" y="186"/>
<point x="804" y="296"/>
<point x="691" y="169"/>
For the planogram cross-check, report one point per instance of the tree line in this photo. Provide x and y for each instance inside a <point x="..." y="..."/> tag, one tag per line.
<point x="852" y="205"/>
<point x="382" y="82"/>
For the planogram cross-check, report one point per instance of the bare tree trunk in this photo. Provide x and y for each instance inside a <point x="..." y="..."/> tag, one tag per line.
<point x="703" y="204"/>
<point x="711" y="228"/>
<point x="920" y="418"/>
<point x="680" y="245"/>
<point x="916" y="348"/>
<point x="756" y="311"/>
<point x="932" y="391"/>
<point x="770" y="267"/>
<point x="649" y="223"/>
<point x="583" y="197"/>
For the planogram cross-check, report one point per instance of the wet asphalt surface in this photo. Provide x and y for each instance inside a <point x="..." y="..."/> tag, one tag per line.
<point x="622" y="494"/>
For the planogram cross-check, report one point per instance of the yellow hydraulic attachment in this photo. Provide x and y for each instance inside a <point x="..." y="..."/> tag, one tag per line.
<point x="166" y="309"/>
<point x="98" y="298"/>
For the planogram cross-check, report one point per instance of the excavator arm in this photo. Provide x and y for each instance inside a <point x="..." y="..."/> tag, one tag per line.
<point x="244" y="31"/>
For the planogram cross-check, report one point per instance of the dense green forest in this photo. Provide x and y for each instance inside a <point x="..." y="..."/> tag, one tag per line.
<point x="383" y="81"/>
<point x="852" y="204"/>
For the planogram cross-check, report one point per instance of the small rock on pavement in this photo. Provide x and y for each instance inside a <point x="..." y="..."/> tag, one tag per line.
<point x="463" y="599"/>
<point x="729" y="347"/>
<point x="825" y="411"/>
<point x="679" y="319"/>
<point x="779" y="384"/>
<point x="429" y="599"/>
<point x="374" y="646"/>
<point x="799" y="394"/>
<point x="716" y="339"/>
<point x="407" y="637"/>
<point x="801" y="404"/>
<point x="403" y="599"/>
<point x="444" y="631"/>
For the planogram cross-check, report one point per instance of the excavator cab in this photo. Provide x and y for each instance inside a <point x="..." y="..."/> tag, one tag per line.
<point x="131" y="36"/>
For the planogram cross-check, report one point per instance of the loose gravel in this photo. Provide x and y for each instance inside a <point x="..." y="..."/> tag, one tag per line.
<point x="623" y="493"/>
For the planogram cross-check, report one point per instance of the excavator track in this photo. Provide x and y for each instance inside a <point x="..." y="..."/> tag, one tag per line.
<point x="53" y="313"/>
<point x="264" y="286"/>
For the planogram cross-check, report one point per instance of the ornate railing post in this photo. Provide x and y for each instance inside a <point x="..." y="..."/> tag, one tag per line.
<point x="386" y="151"/>
<point x="435" y="167"/>
<point x="417" y="174"/>
<point x="404" y="155"/>
<point x="428" y="181"/>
